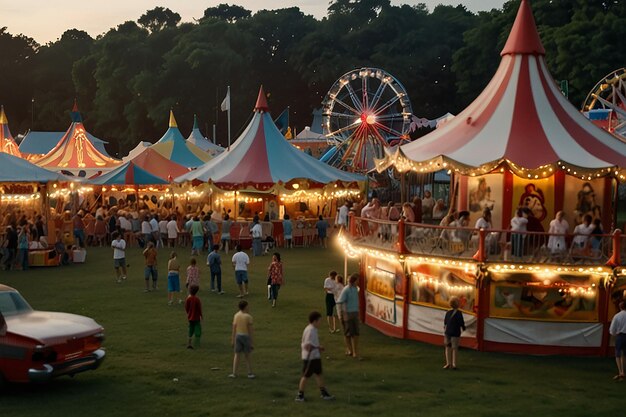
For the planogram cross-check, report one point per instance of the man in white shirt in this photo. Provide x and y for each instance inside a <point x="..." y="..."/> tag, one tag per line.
<point x="172" y="231"/>
<point x="119" y="256"/>
<point x="240" y="262"/>
<point x="154" y="228"/>
<point x="257" y="236"/>
<point x="618" y="329"/>
<point x="146" y="230"/>
<point x="125" y="224"/>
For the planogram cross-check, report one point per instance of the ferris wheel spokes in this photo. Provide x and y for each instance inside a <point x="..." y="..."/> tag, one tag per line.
<point x="355" y="100"/>
<point x="352" y="109"/>
<point x="378" y="94"/>
<point x="388" y="104"/>
<point x="354" y="125"/>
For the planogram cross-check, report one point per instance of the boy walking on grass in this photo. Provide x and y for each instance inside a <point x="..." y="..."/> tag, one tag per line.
<point x="241" y="338"/>
<point x="193" y="307"/>
<point x="312" y="358"/>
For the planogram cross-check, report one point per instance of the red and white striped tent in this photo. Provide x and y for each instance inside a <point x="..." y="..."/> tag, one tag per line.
<point x="520" y="121"/>
<point x="261" y="159"/>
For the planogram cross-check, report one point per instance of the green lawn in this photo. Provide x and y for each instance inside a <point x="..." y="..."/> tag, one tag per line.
<point x="148" y="370"/>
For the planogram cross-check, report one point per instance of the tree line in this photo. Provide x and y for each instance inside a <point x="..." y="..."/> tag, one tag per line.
<point x="126" y="80"/>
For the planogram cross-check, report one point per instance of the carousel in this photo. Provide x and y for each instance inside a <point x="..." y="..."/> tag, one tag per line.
<point x="520" y="154"/>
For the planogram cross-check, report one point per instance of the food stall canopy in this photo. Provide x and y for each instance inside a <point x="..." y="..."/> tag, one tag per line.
<point x="521" y="120"/>
<point x="261" y="157"/>
<point x="128" y="174"/>
<point x="16" y="169"/>
<point x="174" y="147"/>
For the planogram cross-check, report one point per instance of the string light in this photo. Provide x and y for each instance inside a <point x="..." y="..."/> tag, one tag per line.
<point x="19" y="198"/>
<point x="403" y="164"/>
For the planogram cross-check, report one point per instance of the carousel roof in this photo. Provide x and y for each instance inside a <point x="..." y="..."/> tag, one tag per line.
<point x="75" y="152"/>
<point x="521" y="120"/>
<point x="16" y="169"/>
<point x="128" y="174"/>
<point x="174" y="147"/>
<point x="7" y="143"/>
<point x="202" y="142"/>
<point x="261" y="157"/>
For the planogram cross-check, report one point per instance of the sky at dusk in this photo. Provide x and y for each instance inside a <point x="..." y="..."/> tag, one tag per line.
<point x="46" y="20"/>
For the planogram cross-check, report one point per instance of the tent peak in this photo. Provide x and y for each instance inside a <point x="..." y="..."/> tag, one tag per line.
<point x="172" y="119"/>
<point x="261" y="101"/>
<point x="75" y="114"/>
<point x="524" y="38"/>
<point x="3" y="117"/>
<point x="195" y="121"/>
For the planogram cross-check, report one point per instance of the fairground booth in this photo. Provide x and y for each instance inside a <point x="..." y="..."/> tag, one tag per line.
<point x="519" y="145"/>
<point x="262" y="174"/>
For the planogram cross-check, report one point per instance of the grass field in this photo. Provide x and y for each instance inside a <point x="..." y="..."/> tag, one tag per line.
<point x="146" y="352"/>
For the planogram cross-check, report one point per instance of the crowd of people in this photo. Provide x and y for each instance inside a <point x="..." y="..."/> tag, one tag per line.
<point x="138" y="224"/>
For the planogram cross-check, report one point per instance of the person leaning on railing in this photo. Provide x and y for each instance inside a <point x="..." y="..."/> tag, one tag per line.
<point x="518" y="224"/>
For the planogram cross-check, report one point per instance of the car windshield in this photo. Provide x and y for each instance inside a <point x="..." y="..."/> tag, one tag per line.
<point x="12" y="303"/>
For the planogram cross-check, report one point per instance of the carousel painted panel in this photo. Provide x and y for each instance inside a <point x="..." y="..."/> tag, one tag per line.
<point x="384" y="286"/>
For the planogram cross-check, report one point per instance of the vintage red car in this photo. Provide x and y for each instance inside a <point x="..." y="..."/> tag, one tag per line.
<point x="36" y="346"/>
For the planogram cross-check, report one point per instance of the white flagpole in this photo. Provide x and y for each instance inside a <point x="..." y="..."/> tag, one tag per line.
<point x="228" y="95"/>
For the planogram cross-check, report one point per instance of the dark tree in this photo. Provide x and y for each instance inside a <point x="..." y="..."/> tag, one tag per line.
<point x="158" y="19"/>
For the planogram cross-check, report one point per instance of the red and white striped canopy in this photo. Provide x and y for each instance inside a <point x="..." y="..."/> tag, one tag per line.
<point x="521" y="120"/>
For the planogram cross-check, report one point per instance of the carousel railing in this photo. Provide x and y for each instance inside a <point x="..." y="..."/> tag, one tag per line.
<point x="488" y="245"/>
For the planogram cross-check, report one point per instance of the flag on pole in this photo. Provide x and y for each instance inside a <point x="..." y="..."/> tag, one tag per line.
<point x="282" y="121"/>
<point x="226" y="102"/>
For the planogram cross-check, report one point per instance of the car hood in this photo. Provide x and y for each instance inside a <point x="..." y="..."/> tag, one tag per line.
<point x="50" y="327"/>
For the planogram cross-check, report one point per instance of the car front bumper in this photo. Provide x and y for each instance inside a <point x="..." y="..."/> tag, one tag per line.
<point x="75" y="366"/>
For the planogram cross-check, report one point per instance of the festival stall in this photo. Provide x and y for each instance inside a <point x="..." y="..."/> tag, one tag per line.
<point x="174" y="147"/>
<point x="520" y="144"/>
<point x="196" y="138"/>
<point x="75" y="154"/>
<point x="24" y="191"/>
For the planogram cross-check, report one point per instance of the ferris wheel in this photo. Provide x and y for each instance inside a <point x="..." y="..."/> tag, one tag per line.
<point x="365" y="111"/>
<point x="609" y="94"/>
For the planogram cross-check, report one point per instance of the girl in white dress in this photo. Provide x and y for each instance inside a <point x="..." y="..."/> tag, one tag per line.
<point x="558" y="226"/>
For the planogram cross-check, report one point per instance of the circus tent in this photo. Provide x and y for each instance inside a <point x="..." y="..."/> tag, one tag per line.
<point x="520" y="121"/>
<point x="7" y="143"/>
<point x="174" y="147"/>
<point x="202" y="142"/>
<point x="75" y="152"/>
<point x="262" y="158"/>
<point x="40" y="143"/>
<point x="128" y="174"/>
